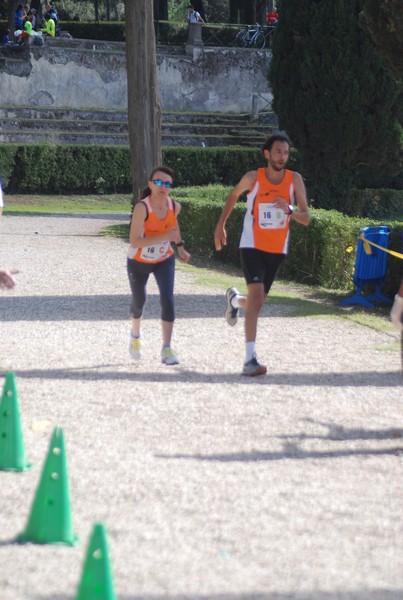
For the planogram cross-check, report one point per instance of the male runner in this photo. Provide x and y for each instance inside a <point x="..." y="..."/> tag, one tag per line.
<point x="276" y="195"/>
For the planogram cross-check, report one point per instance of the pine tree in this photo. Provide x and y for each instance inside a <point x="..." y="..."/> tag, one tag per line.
<point x="384" y="20"/>
<point x="333" y="96"/>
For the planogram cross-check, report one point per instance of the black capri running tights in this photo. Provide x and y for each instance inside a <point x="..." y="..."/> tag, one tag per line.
<point x="164" y="273"/>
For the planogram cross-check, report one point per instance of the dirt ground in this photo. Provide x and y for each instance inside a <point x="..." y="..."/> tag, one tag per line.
<point x="210" y="485"/>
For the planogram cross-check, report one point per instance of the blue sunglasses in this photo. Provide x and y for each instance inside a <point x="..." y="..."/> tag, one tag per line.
<point x="160" y="183"/>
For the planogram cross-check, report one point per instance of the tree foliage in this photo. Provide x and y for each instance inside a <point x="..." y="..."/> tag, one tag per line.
<point x="384" y="21"/>
<point x="341" y="108"/>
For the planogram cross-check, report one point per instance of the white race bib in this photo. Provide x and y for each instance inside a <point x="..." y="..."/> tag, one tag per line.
<point x="271" y="217"/>
<point x="155" y="252"/>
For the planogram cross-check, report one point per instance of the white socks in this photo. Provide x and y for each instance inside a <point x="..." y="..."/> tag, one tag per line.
<point x="235" y="302"/>
<point x="250" y="350"/>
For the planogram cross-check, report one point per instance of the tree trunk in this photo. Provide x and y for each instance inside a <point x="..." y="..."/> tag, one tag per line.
<point x="144" y="112"/>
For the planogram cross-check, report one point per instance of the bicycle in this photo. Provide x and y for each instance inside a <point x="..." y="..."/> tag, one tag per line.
<point x="250" y="37"/>
<point x="239" y="38"/>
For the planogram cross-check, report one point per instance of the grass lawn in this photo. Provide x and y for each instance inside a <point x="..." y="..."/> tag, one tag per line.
<point x="28" y="204"/>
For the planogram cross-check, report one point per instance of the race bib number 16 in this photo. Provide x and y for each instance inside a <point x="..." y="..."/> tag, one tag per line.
<point x="271" y="217"/>
<point x="155" y="252"/>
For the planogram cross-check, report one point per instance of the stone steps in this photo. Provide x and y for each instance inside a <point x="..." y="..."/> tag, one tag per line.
<point x="106" y="127"/>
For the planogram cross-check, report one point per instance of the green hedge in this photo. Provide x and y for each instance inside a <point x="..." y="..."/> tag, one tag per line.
<point x="70" y="169"/>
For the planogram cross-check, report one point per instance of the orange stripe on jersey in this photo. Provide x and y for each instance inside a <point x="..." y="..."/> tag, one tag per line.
<point x="155" y="253"/>
<point x="266" y="227"/>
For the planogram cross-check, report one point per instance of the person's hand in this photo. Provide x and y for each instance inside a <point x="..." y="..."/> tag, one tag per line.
<point x="396" y="314"/>
<point x="279" y="202"/>
<point x="6" y="278"/>
<point x="184" y="256"/>
<point x="220" y="237"/>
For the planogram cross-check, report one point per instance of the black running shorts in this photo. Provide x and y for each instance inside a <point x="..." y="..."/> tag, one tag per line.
<point x="260" y="267"/>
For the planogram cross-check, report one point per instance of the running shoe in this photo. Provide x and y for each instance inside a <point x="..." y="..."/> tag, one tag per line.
<point x="231" y="314"/>
<point x="253" y="368"/>
<point x="135" y="347"/>
<point x="168" y="356"/>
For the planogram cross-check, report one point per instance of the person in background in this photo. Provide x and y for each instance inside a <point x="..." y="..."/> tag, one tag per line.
<point x="272" y="17"/>
<point x="26" y="32"/>
<point x="19" y="17"/>
<point x="198" y="6"/>
<point x="153" y="229"/>
<point x="49" y="8"/>
<point x="396" y="313"/>
<point x="49" y="26"/>
<point x="6" y="275"/>
<point x="6" y="38"/>
<point x="193" y="15"/>
<point x="33" y="18"/>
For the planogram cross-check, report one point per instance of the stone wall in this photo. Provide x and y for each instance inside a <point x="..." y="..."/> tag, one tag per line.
<point x="69" y="73"/>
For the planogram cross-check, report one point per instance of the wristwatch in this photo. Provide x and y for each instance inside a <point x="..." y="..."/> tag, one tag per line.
<point x="290" y="209"/>
<point x="179" y="244"/>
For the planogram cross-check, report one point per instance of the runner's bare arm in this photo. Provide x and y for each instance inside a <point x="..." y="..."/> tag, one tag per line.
<point x="137" y="239"/>
<point x="302" y="214"/>
<point x="184" y="255"/>
<point x="245" y="184"/>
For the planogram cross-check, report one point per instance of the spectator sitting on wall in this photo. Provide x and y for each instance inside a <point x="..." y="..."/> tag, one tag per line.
<point x="19" y="17"/>
<point x="54" y="14"/>
<point x="26" y="32"/>
<point x="193" y="15"/>
<point x="6" y="38"/>
<point x="49" y="26"/>
<point x="32" y="18"/>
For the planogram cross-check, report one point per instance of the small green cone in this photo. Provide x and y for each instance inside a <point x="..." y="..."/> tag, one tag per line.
<point x="50" y="519"/>
<point x="96" y="581"/>
<point x="12" y="452"/>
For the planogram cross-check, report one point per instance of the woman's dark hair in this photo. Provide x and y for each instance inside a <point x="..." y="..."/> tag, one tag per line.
<point x="279" y="136"/>
<point x="146" y="192"/>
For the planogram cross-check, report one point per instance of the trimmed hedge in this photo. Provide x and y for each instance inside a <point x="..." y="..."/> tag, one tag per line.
<point x="71" y="169"/>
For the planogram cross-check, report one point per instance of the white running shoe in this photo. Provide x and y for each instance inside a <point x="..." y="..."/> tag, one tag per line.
<point x="168" y="356"/>
<point x="135" y="348"/>
<point x="231" y="314"/>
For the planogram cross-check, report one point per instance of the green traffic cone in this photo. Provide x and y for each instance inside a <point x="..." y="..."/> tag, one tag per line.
<point x="96" y="581"/>
<point x="12" y="452"/>
<point x="50" y="519"/>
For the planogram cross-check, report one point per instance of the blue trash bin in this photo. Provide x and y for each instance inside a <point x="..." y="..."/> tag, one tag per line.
<point x="370" y="269"/>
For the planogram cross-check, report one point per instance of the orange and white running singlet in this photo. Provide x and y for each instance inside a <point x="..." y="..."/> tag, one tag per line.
<point x="155" y="253"/>
<point x="266" y="227"/>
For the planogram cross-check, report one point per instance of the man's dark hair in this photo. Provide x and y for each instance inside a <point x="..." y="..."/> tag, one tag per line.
<point x="279" y="136"/>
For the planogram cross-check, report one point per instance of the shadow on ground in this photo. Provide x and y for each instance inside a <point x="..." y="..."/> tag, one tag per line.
<point x="180" y="374"/>
<point x="353" y="595"/>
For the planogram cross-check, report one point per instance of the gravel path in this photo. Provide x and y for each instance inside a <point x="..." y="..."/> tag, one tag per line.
<point x="210" y="485"/>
